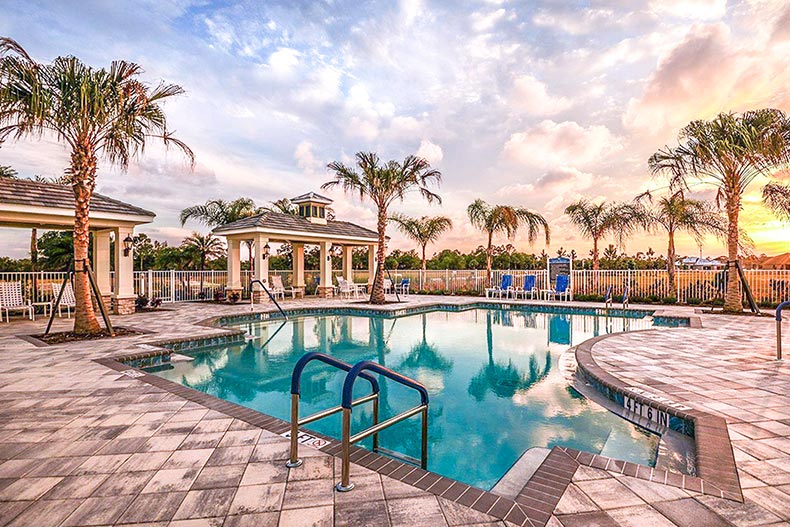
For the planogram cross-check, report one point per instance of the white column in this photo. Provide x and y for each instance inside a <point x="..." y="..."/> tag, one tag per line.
<point x="325" y="269"/>
<point x="371" y="263"/>
<point x="348" y="256"/>
<point x="234" y="264"/>
<point x="261" y="264"/>
<point x="124" y="273"/>
<point x="298" y="264"/>
<point x="101" y="261"/>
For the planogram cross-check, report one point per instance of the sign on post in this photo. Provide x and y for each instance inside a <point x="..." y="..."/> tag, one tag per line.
<point x="558" y="266"/>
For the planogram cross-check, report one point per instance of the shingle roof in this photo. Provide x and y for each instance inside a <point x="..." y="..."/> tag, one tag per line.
<point x="291" y="222"/>
<point x="51" y="195"/>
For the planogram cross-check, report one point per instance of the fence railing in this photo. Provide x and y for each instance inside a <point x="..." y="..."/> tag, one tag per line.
<point x="691" y="286"/>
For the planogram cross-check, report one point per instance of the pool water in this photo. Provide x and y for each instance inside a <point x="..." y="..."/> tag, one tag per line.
<point x="495" y="386"/>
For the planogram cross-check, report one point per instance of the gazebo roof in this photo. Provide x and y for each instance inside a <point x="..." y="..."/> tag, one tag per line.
<point x="26" y="202"/>
<point x="292" y="227"/>
<point x="311" y="197"/>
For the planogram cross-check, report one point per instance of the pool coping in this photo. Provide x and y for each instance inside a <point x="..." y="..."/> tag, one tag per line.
<point x="534" y="504"/>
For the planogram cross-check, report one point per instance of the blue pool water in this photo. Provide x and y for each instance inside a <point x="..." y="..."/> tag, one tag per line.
<point x="495" y="386"/>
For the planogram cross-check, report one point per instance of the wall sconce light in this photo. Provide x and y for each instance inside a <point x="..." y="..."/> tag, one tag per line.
<point x="128" y="243"/>
<point x="266" y="251"/>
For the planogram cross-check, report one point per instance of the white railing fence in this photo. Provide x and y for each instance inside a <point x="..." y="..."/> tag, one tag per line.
<point x="691" y="286"/>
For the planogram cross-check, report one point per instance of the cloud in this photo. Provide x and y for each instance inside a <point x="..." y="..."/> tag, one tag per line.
<point x="305" y="159"/>
<point x="690" y="9"/>
<point x="485" y="21"/>
<point x="532" y="96"/>
<point x="567" y="143"/>
<point x="430" y="151"/>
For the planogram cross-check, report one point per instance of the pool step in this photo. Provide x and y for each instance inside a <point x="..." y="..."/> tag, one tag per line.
<point x="520" y="473"/>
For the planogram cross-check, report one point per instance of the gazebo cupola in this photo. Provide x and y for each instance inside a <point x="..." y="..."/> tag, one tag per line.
<point x="312" y="206"/>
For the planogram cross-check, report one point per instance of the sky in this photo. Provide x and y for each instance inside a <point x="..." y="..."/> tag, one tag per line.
<point x="535" y="104"/>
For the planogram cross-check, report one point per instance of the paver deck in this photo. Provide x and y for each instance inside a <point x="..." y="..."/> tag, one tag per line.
<point x="81" y="444"/>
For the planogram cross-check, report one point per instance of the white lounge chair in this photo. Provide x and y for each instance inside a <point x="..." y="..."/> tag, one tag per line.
<point x="277" y="285"/>
<point x="388" y="287"/>
<point x="11" y="299"/>
<point x="67" y="300"/>
<point x="274" y="289"/>
<point x="345" y="288"/>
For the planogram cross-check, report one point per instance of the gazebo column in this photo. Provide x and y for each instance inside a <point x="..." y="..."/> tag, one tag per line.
<point x="234" y="268"/>
<point x="261" y="271"/>
<point x="297" y="255"/>
<point x="348" y="260"/>
<point x="371" y="264"/>
<point x="326" y="288"/>
<point x="101" y="264"/>
<point x="124" y="274"/>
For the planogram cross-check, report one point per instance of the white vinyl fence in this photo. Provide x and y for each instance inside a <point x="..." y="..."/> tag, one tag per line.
<point x="692" y="286"/>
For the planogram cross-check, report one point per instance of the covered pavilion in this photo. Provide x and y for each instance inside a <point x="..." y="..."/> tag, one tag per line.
<point x="311" y="225"/>
<point x="33" y="205"/>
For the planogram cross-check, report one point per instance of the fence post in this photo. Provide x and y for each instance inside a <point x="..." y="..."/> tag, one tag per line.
<point x="149" y="287"/>
<point x="172" y="285"/>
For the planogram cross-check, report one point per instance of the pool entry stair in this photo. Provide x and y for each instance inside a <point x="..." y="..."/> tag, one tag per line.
<point x="347" y="404"/>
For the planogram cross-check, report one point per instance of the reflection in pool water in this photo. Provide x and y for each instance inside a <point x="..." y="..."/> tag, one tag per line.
<point x="492" y="375"/>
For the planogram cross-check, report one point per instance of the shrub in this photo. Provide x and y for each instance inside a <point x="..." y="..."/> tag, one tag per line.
<point x="155" y="302"/>
<point x="234" y="297"/>
<point x="141" y="302"/>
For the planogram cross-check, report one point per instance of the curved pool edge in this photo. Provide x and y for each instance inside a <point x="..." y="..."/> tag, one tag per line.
<point x="715" y="460"/>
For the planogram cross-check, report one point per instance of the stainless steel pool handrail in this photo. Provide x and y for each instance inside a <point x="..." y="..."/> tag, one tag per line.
<point x="271" y="296"/>
<point x="359" y="370"/>
<point x="296" y="379"/>
<point x="779" y="329"/>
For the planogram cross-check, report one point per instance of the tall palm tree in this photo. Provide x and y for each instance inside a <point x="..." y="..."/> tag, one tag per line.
<point x="7" y="171"/>
<point x="216" y="212"/>
<point x="422" y="230"/>
<point x="731" y="152"/>
<point x="97" y="113"/>
<point x="598" y="220"/>
<point x="498" y="219"/>
<point x="204" y="247"/>
<point x="676" y="213"/>
<point x="282" y="205"/>
<point x="777" y="198"/>
<point x="383" y="184"/>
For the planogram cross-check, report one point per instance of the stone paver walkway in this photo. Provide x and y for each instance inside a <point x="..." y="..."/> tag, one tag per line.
<point x="81" y="444"/>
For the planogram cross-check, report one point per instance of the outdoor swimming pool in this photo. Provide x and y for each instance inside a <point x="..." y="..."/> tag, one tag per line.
<point x="495" y="386"/>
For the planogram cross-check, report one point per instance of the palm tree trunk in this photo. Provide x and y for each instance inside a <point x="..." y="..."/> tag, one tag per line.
<point x="34" y="250"/>
<point x="732" y="297"/>
<point x="378" y="283"/>
<point x="83" y="170"/>
<point x="671" y="262"/>
<point x="596" y="261"/>
<point x="489" y="257"/>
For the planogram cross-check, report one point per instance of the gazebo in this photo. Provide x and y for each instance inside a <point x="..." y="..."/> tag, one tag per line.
<point x="29" y="204"/>
<point x="310" y="225"/>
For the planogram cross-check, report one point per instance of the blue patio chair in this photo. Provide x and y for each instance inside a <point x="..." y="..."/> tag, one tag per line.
<point x="528" y="287"/>
<point x="403" y="287"/>
<point x="506" y="287"/>
<point x="561" y="288"/>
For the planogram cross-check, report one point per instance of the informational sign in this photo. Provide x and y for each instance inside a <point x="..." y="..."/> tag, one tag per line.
<point x="559" y="266"/>
<point x="655" y="415"/>
<point x="308" y="439"/>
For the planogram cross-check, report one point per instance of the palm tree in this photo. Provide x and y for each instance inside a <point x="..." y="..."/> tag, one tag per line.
<point x="495" y="219"/>
<point x="777" y="198"/>
<point x="7" y="171"/>
<point x="216" y="212"/>
<point x="676" y="213"/>
<point x="384" y="184"/>
<point x="422" y="230"/>
<point x="204" y="247"/>
<point x="283" y="206"/>
<point x="731" y="152"/>
<point x="597" y="220"/>
<point x="98" y="113"/>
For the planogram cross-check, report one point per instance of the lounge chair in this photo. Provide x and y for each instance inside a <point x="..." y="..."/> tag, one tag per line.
<point x="277" y="285"/>
<point x="561" y="288"/>
<point x="67" y="300"/>
<point x="527" y="288"/>
<point x="361" y="289"/>
<point x="11" y="299"/>
<point x="276" y="289"/>
<point x="610" y="297"/>
<point x="346" y="288"/>
<point x="403" y="287"/>
<point x="388" y="287"/>
<point x="504" y="288"/>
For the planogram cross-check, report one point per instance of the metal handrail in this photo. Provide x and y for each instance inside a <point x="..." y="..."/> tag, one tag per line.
<point x="252" y="300"/>
<point x="779" y="309"/>
<point x="296" y="379"/>
<point x="358" y="370"/>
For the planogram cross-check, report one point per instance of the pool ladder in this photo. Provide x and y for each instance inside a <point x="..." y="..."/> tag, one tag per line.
<point x="360" y="369"/>
<point x="271" y="296"/>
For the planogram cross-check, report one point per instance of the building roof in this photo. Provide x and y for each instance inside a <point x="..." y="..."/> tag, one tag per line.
<point x="51" y="195"/>
<point x="780" y="259"/>
<point x="311" y="197"/>
<point x="290" y="223"/>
